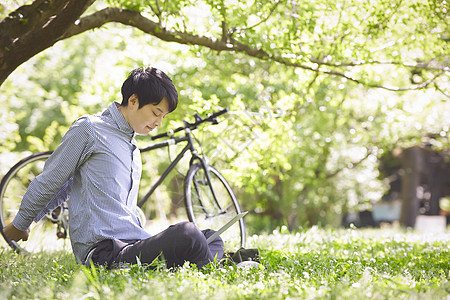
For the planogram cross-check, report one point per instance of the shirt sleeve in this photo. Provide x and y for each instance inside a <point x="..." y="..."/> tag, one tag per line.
<point x="75" y="148"/>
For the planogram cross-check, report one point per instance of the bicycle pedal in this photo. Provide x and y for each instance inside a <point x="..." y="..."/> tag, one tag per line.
<point x="61" y="235"/>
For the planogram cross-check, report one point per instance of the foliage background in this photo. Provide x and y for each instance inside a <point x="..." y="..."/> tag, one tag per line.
<point x="300" y="147"/>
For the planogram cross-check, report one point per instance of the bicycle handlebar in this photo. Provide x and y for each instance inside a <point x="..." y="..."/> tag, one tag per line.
<point x="198" y="120"/>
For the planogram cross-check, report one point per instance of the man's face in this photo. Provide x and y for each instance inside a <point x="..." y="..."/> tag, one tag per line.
<point x="143" y="120"/>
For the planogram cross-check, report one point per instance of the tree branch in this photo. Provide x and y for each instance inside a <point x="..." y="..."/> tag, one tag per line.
<point x="272" y="10"/>
<point x="353" y="165"/>
<point x="135" y="19"/>
<point x="33" y="28"/>
<point x="441" y="91"/>
<point x="420" y="65"/>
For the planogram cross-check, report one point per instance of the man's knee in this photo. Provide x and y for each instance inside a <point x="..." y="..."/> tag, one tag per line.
<point x="188" y="233"/>
<point x="192" y="245"/>
<point x="184" y="227"/>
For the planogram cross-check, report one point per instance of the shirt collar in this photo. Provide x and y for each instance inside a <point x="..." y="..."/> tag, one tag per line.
<point x="117" y="116"/>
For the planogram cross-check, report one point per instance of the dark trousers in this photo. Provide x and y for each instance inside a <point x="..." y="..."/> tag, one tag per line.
<point x="177" y="244"/>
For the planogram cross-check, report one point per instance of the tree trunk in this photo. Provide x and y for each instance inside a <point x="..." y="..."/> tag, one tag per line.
<point x="33" y="28"/>
<point x="412" y="163"/>
<point x="435" y="171"/>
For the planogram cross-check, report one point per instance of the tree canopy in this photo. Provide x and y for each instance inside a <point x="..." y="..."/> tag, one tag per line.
<point x="348" y="39"/>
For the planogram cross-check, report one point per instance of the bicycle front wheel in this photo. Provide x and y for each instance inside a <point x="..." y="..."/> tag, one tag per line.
<point x="44" y="234"/>
<point x="209" y="213"/>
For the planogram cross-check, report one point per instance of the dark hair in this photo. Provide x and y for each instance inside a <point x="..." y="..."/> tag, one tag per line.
<point x="151" y="86"/>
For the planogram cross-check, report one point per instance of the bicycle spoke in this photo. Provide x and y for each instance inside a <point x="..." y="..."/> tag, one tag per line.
<point x="43" y="235"/>
<point x="209" y="212"/>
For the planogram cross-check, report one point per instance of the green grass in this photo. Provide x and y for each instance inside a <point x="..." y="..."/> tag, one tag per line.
<point x="313" y="264"/>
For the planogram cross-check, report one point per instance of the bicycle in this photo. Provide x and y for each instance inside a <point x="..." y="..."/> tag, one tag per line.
<point x="208" y="198"/>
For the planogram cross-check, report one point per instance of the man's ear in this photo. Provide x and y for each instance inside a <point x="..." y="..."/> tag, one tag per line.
<point x="133" y="101"/>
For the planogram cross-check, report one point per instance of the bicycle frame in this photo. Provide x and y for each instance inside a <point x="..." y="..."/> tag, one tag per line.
<point x="189" y="147"/>
<point x="194" y="183"/>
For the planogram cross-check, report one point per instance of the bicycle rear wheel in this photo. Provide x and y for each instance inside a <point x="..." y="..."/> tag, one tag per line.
<point x="43" y="235"/>
<point x="207" y="213"/>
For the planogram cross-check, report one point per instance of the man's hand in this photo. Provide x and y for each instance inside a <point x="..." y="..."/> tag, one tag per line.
<point x="14" y="234"/>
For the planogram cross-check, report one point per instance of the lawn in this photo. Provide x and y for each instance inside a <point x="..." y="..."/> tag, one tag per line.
<point x="311" y="264"/>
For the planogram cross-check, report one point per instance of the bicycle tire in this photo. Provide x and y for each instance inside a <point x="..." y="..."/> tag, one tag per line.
<point x="205" y="212"/>
<point x="12" y="188"/>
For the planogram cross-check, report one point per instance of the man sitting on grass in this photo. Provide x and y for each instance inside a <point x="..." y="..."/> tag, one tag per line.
<point x="100" y="157"/>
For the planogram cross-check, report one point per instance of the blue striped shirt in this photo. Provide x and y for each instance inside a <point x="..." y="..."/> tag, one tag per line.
<point x="100" y="159"/>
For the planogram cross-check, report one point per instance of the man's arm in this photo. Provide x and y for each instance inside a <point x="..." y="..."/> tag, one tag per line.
<point x="74" y="149"/>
